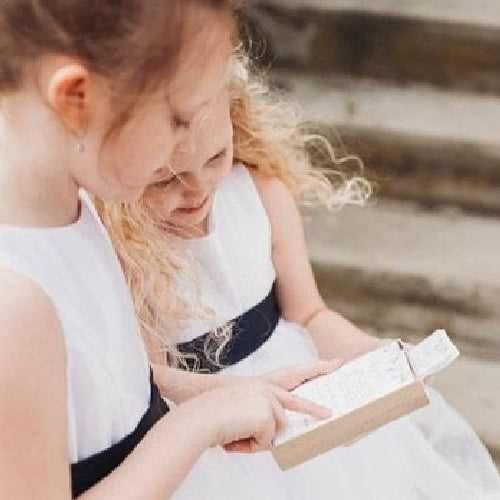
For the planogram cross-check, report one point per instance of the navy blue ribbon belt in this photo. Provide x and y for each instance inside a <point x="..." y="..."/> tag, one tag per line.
<point x="88" y="472"/>
<point x="250" y="330"/>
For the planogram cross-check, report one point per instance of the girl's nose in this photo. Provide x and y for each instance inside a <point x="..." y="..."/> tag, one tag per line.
<point x="183" y="140"/>
<point x="188" y="137"/>
<point x="183" y="145"/>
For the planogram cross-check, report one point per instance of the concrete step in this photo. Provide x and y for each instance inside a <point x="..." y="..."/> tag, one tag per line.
<point x="452" y="45"/>
<point x="434" y="147"/>
<point x="392" y="268"/>
<point x="481" y="13"/>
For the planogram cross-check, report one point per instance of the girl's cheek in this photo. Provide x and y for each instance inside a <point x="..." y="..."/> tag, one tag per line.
<point x="225" y="170"/>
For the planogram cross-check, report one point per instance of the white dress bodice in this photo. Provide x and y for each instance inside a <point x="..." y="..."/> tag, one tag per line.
<point x="106" y="364"/>
<point x="231" y="280"/>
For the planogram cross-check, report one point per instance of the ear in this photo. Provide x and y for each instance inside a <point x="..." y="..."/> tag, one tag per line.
<point x="66" y="89"/>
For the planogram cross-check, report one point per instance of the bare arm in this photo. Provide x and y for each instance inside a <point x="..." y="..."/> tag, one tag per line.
<point x="33" y="441"/>
<point x="180" y="386"/>
<point x="33" y="427"/>
<point x="298" y="295"/>
<point x="33" y="449"/>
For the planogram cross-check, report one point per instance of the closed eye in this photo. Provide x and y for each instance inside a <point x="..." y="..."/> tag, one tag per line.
<point x="221" y="154"/>
<point x="165" y="182"/>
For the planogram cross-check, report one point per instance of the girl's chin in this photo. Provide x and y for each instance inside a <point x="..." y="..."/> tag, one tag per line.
<point x="190" y="230"/>
<point x="194" y="223"/>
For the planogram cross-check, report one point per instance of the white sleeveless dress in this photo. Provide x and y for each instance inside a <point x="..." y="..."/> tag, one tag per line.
<point x="431" y="454"/>
<point x="107" y="371"/>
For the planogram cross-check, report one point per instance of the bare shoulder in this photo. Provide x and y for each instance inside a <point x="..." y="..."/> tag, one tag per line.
<point x="24" y="308"/>
<point x="268" y="185"/>
<point x="32" y="391"/>
<point x="31" y="340"/>
<point x="275" y="195"/>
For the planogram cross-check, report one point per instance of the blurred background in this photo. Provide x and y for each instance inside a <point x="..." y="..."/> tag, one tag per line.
<point x="412" y="87"/>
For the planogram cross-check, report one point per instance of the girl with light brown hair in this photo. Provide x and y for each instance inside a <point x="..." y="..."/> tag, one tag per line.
<point x="216" y="260"/>
<point x="95" y="97"/>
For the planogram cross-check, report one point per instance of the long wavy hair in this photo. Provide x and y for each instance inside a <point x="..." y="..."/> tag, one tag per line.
<point x="270" y="136"/>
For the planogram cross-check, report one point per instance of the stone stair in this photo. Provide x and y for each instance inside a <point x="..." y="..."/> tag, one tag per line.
<point x="412" y="87"/>
<point x="454" y="44"/>
<point x="434" y="147"/>
<point x="402" y="272"/>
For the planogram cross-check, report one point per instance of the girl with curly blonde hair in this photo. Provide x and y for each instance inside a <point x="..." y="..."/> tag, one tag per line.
<point x="216" y="260"/>
<point x="259" y="131"/>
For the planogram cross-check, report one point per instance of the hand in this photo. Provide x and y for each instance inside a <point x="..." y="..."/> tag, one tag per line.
<point x="245" y="416"/>
<point x="291" y="377"/>
<point x="188" y="385"/>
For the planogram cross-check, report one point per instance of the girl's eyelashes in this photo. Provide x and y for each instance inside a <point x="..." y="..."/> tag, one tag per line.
<point x="165" y="182"/>
<point x="221" y="154"/>
<point x="177" y="177"/>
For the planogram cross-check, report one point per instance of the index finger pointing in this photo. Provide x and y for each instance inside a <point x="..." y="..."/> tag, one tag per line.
<point x="301" y="405"/>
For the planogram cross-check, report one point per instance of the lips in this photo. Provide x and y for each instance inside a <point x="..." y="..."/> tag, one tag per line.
<point x="193" y="208"/>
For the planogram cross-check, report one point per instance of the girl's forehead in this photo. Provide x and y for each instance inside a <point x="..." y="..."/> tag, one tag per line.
<point x="212" y="133"/>
<point x="195" y="87"/>
<point x="203" y="63"/>
<point x="214" y="120"/>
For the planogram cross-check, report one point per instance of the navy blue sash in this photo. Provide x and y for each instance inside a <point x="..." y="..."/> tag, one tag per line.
<point x="250" y="331"/>
<point x="88" y="472"/>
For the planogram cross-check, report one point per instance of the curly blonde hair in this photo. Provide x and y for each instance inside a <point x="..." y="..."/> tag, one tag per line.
<point x="268" y="136"/>
<point x="271" y="136"/>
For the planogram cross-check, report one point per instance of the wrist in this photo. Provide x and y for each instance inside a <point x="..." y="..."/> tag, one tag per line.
<point x="198" y="428"/>
<point x="179" y="385"/>
<point x="314" y="315"/>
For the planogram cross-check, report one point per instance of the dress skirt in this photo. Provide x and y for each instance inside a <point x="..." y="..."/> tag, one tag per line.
<point x="430" y="454"/>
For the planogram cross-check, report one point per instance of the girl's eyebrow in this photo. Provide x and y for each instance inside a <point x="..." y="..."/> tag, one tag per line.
<point x="204" y="103"/>
<point x="218" y="153"/>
